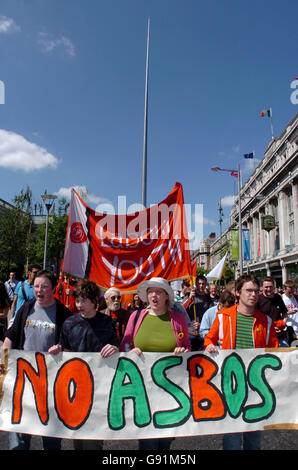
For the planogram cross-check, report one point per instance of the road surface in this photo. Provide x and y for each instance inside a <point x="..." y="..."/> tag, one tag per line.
<point x="271" y="440"/>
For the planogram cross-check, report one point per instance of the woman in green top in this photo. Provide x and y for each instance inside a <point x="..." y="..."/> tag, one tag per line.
<point x="158" y="328"/>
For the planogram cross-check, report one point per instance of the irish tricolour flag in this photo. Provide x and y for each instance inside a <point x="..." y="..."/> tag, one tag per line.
<point x="266" y="112"/>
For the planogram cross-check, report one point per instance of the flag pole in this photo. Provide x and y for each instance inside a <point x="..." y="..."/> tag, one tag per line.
<point x="240" y="223"/>
<point x="271" y="123"/>
<point x="254" y="160"/>
<point x="144" y="174"/>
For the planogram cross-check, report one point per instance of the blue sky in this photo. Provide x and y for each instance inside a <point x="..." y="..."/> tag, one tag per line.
<point x="74" y="76"/>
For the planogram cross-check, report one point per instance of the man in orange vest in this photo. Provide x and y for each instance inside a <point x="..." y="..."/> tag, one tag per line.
<point x="242" y="326"/>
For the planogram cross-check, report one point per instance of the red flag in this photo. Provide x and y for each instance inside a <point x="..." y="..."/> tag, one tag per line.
<point x="235" y="174"/>
<point x="124" y="250"/>
<point x="193" y="273"/>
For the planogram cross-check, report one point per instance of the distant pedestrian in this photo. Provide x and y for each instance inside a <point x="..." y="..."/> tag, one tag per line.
<point x="272" y="305"/>
<point x="4" y="309"/>
<point x="11" y="285"/>
<point x="24" y="291"/>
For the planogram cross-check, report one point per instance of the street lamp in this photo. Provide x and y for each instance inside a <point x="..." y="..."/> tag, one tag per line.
<point x="48" y="200"/>
<point x="216" y="168"/>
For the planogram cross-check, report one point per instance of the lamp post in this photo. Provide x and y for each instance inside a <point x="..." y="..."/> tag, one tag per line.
<point x="48" y="200"/>
<point x="216" y="168"/>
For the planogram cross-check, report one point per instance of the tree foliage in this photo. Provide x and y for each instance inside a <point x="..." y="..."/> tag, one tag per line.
<point x="22" y="243"/>
<point x="15" y="228"/>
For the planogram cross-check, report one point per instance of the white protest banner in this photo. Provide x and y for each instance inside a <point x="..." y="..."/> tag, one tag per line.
<point x="80" y="395"/>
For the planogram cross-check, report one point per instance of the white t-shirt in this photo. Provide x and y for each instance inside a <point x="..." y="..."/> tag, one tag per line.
<point x="40" y="328"/>
<point x="291" y="304"/>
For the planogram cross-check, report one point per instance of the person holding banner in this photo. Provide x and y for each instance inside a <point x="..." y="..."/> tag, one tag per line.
<point x="157" y="328"/>
<point x="88" y="331"/>
<point x="242" y="326"/>
<point x="37" y="327"/>
<point x="11" y="285"/>
<point x="291" y="303"/>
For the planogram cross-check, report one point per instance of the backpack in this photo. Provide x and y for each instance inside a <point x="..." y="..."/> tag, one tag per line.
<point x="24" y="293"/>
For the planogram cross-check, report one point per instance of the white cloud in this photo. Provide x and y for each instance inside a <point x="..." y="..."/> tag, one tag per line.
<point x="17" y="153"/>
<point x="48" y="43"/>
<point x="199" y="219"/>
<point x="83" y="192"/>
<point x="8" y="25"/>
<point x="236" y="149"/>
<point x="227" y="201"/>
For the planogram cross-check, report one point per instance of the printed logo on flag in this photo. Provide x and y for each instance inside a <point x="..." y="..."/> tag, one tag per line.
<point x="77" y="233"/>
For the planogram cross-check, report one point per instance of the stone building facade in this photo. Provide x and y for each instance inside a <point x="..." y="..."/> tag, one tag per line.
<point x="271" y="190"/>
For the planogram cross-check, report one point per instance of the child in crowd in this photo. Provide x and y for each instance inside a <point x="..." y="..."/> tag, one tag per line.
<point x="88" y="331"/>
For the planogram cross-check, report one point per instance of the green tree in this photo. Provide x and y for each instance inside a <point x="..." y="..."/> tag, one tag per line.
<point x="15" y="231"/>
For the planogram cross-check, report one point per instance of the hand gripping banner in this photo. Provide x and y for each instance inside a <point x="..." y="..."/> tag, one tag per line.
<point x="124" y="250"/>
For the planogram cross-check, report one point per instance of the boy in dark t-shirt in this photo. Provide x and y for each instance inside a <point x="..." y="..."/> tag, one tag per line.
<point x="83" y="334"/>
<point x="89" y="331"/>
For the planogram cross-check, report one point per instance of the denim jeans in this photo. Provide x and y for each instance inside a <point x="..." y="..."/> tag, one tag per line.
<point x="250" y="441"/>
<point x="155" y="444"/>
<point x="81" y="444"/>
<point x="20" y="441"/>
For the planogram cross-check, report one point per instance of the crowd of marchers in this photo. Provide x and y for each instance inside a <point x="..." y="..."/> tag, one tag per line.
<point x="46" y="315"/>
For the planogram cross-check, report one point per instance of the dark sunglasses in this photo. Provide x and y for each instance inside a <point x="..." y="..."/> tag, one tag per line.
<point x="114" y="297"/>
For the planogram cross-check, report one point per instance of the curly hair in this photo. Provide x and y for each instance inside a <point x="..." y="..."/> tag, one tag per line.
<point x="243" y="279"/>
<point x="87" y="290"/>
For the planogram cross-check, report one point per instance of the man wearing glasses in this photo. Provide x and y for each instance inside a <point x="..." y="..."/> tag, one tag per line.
<point x="113" y="309"/>
<point x="242" y="326"/>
